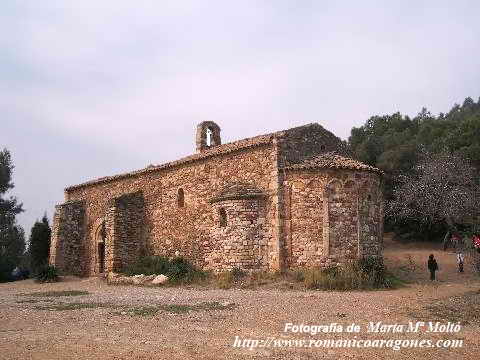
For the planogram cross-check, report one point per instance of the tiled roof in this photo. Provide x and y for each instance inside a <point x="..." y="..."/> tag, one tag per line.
<point x="237" y="191"/>
<point x="332" y="160"/>
<point x="217" y="150"/>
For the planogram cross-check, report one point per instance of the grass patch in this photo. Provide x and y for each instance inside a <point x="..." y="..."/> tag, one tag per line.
<point x="253" y="280"/>
<point x="394" y="281"/>
<point x="176" y="309"/>
<point x="56" y="293"/>
<point x="206" y="306"/>
<point x="74" y="306"/>
<point x="143" y="311"/>
<point x="140" y="310"/>
<point x="214" y="305"/>
<point x="240" y="278"/>
<point x="363" y="274"/>
<point x="405" y="268"/>
<point x="266" y="277"/>
<point x="124" y="310"/>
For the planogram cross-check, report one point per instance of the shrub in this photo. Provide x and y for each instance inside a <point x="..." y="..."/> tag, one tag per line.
<point x="148" y="265"/>
<point x="241" y="278"/>
<point x="238" y="273"/>
<point x="47" y="273"/>
<point x="181" y="270"/>
<point x="365" y="273"/>
<point x="178" y="269"/>
<point x="374" y="271"/>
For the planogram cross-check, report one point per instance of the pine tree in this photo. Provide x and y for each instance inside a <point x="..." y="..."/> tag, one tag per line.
<point x="39" y="243"/>
<point x="12" y="237"/>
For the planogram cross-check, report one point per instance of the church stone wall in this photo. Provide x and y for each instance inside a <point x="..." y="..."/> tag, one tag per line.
<point x="125" y="240"/>
<point x="242" y="241"/>
<point x="332" y="216"/>
<point x="169" y="228"/>
<point x="370" y="222"/>
<point x="67" y="246"/>
<point x="305" y="142"/>
<point x="303" y="215"/>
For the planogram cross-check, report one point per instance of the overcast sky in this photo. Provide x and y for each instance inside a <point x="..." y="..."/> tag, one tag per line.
<point x="92" y="88"/>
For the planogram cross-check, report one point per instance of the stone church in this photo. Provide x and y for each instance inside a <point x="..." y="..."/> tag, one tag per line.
<point x="278" y="201"/>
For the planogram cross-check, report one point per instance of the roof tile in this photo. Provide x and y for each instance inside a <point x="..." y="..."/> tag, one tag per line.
<point x="332" y="160"/>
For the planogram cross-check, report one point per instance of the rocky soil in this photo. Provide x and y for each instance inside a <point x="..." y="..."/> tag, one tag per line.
<point x="88" y="319"/>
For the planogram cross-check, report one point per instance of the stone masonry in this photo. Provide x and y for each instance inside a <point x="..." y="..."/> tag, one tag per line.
<point x="124" y="231"/>
<point x="283" y="200"/>
<point x="69" y="223"/>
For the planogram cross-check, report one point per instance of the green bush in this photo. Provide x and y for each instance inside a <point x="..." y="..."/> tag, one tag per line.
<point x="181" y="270"/>
<point x="178" y="269"/>
<point x="238" y="273"/>
<point x="374" y="270"/>
<point x="47" y="273"/>
<point x="365" y="273"/>
<point x="149" y="265"/>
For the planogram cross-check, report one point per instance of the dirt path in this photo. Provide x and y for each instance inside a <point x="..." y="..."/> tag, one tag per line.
<point x="126" y="322"/>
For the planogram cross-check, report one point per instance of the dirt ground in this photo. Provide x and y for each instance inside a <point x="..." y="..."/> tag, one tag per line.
<point x="132" y="322"/>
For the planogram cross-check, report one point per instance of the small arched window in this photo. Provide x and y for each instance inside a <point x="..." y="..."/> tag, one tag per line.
<point x="322" y="147"/>
<point x="223" y="217"/>
<point x="181" y="198"/>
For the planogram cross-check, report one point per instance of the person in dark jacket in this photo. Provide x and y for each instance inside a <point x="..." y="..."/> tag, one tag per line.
<point x="432" y="266"/>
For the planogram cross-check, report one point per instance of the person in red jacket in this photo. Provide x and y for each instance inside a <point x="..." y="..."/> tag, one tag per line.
<point x="476" y="242"/>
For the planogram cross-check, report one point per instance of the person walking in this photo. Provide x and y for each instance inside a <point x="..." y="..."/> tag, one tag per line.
<point x="432" y="266"/>
<point x="476" y="256"/>
<point x="460" y="250"/>
<point x="476" y="241"/>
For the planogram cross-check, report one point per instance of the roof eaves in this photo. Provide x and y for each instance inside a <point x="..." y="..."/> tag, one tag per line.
<point x="220" y="150"/>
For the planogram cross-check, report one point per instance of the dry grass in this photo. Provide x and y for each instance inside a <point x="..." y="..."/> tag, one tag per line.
<point x="259" y="280"/>
<point x="224" y="280"/>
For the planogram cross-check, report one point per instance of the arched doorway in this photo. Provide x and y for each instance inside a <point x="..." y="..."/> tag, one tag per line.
<point x="100" y="241"/>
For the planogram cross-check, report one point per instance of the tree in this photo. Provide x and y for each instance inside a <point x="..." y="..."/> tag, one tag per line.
<point x="387" y="142"/>
<point x="394" y="143"/>
<point x="441" y="189"/>
<point x="39" y="244"/>
<point x="12" y="237"/>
